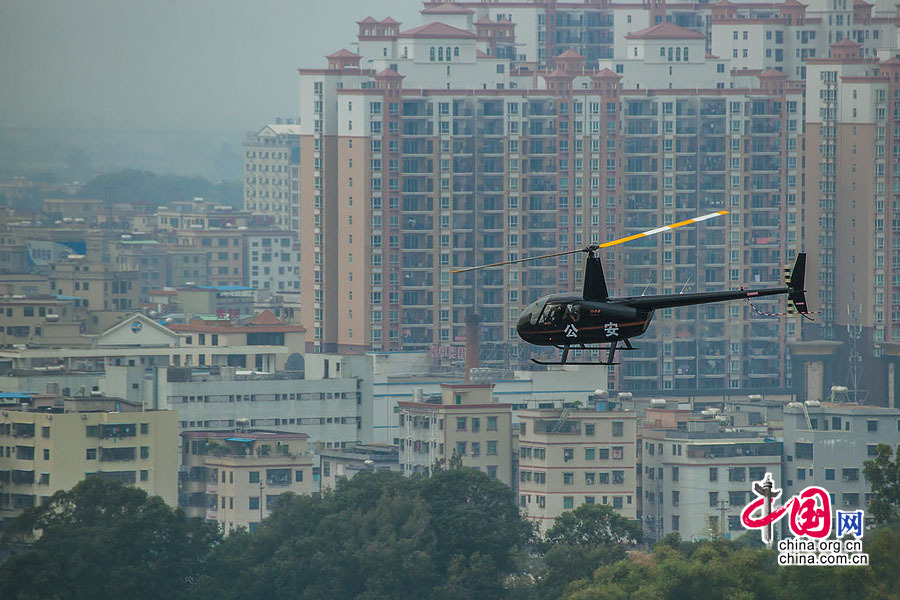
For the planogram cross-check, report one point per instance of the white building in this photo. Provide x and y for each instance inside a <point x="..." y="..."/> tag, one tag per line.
<point x="826" y="444"/>
<point x="696" y="482"/>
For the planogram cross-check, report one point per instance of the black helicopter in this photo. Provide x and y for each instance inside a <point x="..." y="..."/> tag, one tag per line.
<point x="593" y="319"/>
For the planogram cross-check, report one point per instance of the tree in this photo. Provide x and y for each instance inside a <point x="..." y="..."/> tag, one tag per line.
<point x="884" y="477"/>
<point x="593" y="525"/>
<point x="103" y="539"/>
<point x="581" y="541"/>
<point x="378" y="535"/>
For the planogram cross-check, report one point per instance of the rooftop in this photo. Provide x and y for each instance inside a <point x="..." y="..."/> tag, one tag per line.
<point x="666" y="31"/>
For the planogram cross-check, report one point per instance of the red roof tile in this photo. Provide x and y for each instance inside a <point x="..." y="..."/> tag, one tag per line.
<point x="570" y="54"/>
<point x="438" y="31"/>
<point x="266" y="317"/>
<point x="666" y="31"/>
<point x="446" y="8"/>
<point x="343" y="53"/>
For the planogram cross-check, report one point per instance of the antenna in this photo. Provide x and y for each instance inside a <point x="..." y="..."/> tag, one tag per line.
<point x="684" y="287"/>
<point x="854" y="333"/>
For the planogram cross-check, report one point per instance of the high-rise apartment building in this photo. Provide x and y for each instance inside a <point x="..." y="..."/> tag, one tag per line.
<point x="414" y="170"/>
<point x="853" y="209"/>
<point x="271" y="174"/>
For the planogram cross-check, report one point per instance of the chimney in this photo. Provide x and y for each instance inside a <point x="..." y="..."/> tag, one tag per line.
<point x="472" y="355"/>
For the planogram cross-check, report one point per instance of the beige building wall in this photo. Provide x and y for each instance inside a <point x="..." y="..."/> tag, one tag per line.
<point x="43" y="453"/>
<point x="467" y="423"/>
<point x="239" y="488"/>
<point x="355" y="175"/>
<point x="574" y="457"/>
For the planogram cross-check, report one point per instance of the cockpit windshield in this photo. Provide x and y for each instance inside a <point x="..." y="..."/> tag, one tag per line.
<point x="553" y="313"/>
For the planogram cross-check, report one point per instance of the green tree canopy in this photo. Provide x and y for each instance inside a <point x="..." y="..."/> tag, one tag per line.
<point x="883" y="474"/>
<point x="379" y="535"/>
<point x="143" y="187"/>
<point x="593" y="525"/>
<point x="103" y="539"/>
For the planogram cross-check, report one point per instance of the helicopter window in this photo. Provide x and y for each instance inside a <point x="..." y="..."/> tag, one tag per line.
<point x="553" y="314"/>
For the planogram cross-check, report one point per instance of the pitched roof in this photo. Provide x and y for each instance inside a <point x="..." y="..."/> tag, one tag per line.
<point x="266" y="317"/>
<point x="570" y="54"/>
<point x="367" y="21"/>
<point x="437" y="30"/>
<point x="389" y="21"/>
<point x="389" y="74"/>
<point x="343" y="53"/>
<point x="446" y="8"/>
<point x="846" y="43"/>
<point x="481" y="54"/>
<point x="666" y="31"/>
<point x="772" y="73"/>
<point x="606" y="73"/>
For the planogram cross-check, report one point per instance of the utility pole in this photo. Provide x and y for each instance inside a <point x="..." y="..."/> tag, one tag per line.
<point x="723" y="508"/>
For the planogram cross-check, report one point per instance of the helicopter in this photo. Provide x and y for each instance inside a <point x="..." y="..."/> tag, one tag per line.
<point x="595" y="321"/>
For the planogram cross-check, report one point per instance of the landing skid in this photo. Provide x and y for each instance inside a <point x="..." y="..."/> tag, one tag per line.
<point x="564" y="360"/>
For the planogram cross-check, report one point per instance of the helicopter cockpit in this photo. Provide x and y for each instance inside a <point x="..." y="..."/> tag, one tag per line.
<point x="549" y="313"/>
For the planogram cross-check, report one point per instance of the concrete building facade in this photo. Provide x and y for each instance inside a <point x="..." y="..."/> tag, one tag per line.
<point x="467" y="424"/>
<point x="45" y="452"/>
<point x="569" y="457"/>
<point x="234" y="478"/>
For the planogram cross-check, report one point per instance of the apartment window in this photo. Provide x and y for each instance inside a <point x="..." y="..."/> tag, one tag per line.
<point x="145" y="451"/>
<point x="461" y="448"/>
<point x="568" y="502"/>
<point x="675" y="523"/>
<point x="676" y="497"/>
<point x="568" y="478"/>
<point x="589" y="453"/>
<point x="713" y="473"/>
<point x="590" y="429"/>
<point x="90" y="454"/>
<point x="254" y="476"/>
<point x="492" y="448"/>
<point x="674" y="473"/>
<point x="618" y="428"/>
<point x="872" y="425"/>
<point x="829" y="474"/>
<point x="850" y="474"/>
<point x="460" y="423"/>
<point x="254" y="502"/>
<point x="492" y="423"/>
<point x="713" y="499"/>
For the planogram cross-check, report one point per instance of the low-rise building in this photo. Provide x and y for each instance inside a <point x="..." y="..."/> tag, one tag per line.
<point x="44" y="452"/>
<point x="233" y="478"/>
<point x="343" y="464"/>
<point x="569" y="457"/>
<point x="696" y="481"/>
<point x="466" y="423"/>
<point x="826" y="444"/>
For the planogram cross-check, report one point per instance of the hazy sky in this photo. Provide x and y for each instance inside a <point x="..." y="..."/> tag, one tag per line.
<point x="169" y="64"/>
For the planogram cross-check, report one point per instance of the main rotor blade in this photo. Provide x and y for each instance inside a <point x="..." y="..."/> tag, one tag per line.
<point x="512" y="262"/>
<point x="598" y="246"/>
<point x="662" y="229"/>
